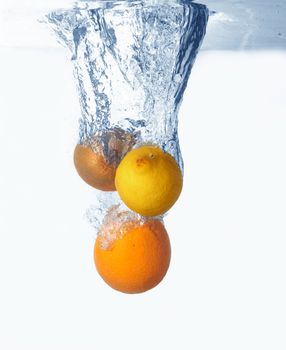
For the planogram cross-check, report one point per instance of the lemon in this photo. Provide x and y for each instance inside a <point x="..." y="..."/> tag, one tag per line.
<point x="148" y="180"/>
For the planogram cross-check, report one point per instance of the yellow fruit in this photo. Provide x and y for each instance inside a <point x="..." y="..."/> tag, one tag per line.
<point x="136" y="259"/>
<point x="148" y="180"/>
<point x="97" y="159"/>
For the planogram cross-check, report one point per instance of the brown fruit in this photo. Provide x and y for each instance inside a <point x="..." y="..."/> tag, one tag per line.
<point x="97" y="159"/>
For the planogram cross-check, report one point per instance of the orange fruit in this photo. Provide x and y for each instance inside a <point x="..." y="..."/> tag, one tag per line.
<point x="93" y="168"/>
<point x="132" y="257"/>
<point x="97" y="159"/>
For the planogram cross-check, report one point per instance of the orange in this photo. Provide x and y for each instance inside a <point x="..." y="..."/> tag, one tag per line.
<point x="137" y="256"/>
<point x="93" y="168"/>
<point x="97" y="159"/>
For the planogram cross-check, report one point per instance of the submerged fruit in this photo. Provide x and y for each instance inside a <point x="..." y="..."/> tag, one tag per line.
<point x="93" y="168"/>
<point x="136" y="259"/>
<point x="97" y="159"/>
<point x="148" y="180"/>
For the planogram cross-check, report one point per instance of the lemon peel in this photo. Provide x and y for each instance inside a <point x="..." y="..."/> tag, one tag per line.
<point x="148" y="180"/>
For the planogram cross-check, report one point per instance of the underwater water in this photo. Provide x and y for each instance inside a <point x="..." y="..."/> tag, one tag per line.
<point x="227" y="230"/>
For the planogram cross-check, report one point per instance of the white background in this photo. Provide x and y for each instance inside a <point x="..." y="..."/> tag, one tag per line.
<point x="226" y="285"/>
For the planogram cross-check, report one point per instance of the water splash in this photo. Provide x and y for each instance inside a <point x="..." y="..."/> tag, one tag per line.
<point x="132" y="61"/>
